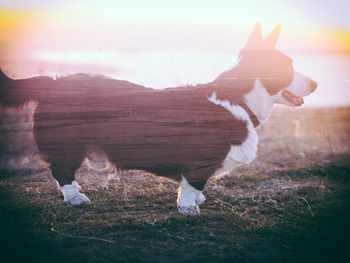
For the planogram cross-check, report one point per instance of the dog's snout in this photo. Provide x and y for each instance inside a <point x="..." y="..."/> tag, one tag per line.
<point x="313" y="85"/>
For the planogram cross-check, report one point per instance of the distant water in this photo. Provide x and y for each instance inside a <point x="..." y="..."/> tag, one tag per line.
<point x="161" y="69"/>
<point x="331" y="70"/>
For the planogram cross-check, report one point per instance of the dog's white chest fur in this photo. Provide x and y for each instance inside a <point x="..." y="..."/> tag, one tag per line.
<point x="245" y="152"/>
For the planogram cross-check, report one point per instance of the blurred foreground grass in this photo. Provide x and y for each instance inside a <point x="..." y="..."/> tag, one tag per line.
<point x="292" y="204"/>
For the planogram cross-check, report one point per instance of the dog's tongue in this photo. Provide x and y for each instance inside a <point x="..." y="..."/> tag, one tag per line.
<point x="297" y="101"/>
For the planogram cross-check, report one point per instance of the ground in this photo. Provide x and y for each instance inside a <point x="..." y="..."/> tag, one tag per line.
<point x="292" y="204"/>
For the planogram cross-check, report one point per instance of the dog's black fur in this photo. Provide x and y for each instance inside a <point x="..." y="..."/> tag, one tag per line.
<point x="169" y="132"/>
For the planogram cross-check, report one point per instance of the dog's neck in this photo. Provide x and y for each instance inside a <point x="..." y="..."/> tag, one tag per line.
<point x="259" y="101"/>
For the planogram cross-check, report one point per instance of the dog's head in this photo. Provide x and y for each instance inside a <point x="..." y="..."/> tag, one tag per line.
<point x="274" y="69"/>
<point x="260" y="61"/>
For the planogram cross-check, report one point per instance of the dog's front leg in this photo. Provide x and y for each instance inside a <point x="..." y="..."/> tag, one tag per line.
<point x="189" y="198"/>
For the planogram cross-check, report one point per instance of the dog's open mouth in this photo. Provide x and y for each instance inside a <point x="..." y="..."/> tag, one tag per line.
<point x="297" y="101"/>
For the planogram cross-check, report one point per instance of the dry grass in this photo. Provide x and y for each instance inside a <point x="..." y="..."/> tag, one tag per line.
<point x="291" y="204"/>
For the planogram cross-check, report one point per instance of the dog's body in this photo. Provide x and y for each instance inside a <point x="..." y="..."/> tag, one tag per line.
<point x="187" y="134"/>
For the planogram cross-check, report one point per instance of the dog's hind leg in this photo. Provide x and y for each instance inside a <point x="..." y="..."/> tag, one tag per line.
<point x="64" y="174"/>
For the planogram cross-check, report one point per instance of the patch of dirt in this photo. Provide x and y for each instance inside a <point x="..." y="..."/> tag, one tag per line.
<point x="292" y="204"/>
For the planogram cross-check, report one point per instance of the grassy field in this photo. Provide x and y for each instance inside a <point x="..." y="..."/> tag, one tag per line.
<point x="292" y="204"/>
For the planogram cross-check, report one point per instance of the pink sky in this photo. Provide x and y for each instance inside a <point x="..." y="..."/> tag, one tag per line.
<point x="157" y="43"/>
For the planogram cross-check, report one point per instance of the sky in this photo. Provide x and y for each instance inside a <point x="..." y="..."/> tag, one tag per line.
<point x="157" y="43"/>
<point x="134" y="26"/>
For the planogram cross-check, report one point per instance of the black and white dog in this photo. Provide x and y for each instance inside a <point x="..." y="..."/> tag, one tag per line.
<point x="187" y="134"/>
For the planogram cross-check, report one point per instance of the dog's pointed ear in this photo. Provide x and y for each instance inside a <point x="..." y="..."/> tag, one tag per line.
<point x="255" y="37"/>
<point x="271" y="40"/>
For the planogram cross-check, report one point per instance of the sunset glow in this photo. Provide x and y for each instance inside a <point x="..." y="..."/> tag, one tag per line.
<point x="156" y="43"/>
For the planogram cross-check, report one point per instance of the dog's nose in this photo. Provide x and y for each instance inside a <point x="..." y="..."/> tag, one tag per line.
<point x="313" y="85"/>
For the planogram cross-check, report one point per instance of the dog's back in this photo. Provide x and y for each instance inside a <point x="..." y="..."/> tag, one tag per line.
<point x="169" y="132"/>
<point x="190" y="131"/>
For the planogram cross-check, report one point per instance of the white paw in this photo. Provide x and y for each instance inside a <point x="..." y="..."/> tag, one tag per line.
<point x="76" y="185"/>
<point x="189" y="210"/>
<point x="78" y="199"/>
<point x="71" y="194"/>
<point x="200" y="199"/>
<point x="189" y="199"/>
